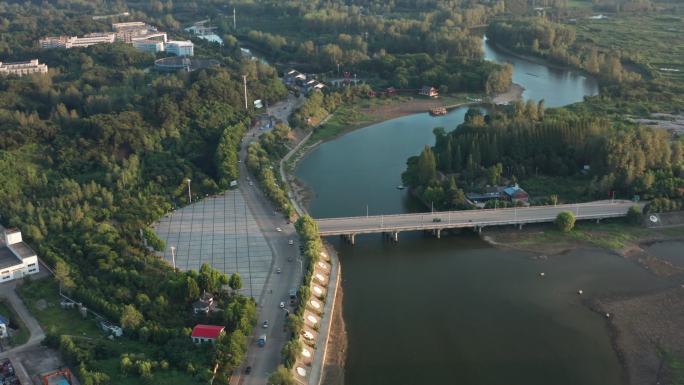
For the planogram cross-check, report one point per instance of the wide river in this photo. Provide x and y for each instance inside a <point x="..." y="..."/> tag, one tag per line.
<point x="456" y="310"/>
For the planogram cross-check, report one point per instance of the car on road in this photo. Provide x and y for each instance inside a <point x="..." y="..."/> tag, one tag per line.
<point x="290" y="242"/>
<point x="278" y="271"/>
<point x="251" y="183"/>
<point x="248" y="370"/>
<point x="278" y="229"/>
<point x="282" y="305"/>
<point x="265" y="324"/>
<point x="436" y="219"/>
<point x="308" y="335"/>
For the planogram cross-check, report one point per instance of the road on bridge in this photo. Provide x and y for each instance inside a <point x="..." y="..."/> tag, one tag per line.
<point x="469" y="218"/>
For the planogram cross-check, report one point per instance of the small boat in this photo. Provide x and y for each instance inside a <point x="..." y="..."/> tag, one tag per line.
<point x="401" y="187"/>
<point x="438" y="111"/>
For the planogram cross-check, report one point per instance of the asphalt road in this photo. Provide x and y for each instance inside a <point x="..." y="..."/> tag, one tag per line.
<point x="468" y="218"/>
<point x="264" y="360"/>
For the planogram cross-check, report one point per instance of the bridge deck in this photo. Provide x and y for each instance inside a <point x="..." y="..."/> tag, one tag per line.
<point x="469" y="218"/>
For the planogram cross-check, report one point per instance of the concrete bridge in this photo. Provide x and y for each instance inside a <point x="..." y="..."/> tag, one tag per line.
<point x="392" y="225"/>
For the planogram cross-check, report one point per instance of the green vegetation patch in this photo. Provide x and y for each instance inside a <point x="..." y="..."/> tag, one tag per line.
<point x="21" y="335"/>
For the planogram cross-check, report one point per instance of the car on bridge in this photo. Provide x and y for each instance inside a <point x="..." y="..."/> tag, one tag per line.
<point x="436" y="219"/>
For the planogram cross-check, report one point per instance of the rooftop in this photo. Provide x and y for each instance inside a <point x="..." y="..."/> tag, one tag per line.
<point x="7" y="258"/>
<point x="207" y="331"/>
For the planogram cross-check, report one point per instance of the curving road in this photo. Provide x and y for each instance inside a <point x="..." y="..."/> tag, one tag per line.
<point x="469" y="218"/>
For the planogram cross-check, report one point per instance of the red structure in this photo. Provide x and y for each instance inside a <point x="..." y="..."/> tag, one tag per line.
<point x="65" y="373"/>
<point x="206" y="333"/>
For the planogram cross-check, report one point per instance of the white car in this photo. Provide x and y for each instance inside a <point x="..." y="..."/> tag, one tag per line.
<point x="290" y="242"/>
<point x="251" y="183"/>
<point x="278" y="229"/>
<point x="282" y="305"/>
<point x="278" y="271"/>
<point x="308" y="335"/>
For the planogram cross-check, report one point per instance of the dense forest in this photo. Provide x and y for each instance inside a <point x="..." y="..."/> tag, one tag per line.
<point x="95" y="151"/>
<point x="525" y="141"/>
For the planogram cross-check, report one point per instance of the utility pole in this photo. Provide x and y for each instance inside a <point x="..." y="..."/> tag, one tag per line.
<point x="189" y="193"/>
<point x="234" y="20"/>
<point x="366" y="211"/>
<point x="173" y="257"/>
<point x="244" y="82"/>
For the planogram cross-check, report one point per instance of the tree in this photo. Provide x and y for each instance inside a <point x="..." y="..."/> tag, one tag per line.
<point x="192" y="290"/>
<point x="553" y="199"/>
<point x="634" y="215"/>
<point x="427" y="166"/>
<point x="565" y="221"/>
<point x="235" y="282"/>
<point x="282" y="376"/>
<point x="131" y="318"/>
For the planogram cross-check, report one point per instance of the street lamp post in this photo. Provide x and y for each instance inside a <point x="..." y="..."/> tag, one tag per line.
<point x="173" y="257"/>
<point x="189" y="193"/>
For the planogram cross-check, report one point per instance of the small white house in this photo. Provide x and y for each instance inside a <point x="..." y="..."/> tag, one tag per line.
<point x="17" y="259"/>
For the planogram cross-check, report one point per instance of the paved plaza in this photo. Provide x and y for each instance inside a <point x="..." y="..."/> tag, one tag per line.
<point x="222" y="232"/>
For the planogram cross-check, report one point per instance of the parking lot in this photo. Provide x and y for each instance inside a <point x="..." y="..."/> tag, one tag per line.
<point x="222" y="232"/>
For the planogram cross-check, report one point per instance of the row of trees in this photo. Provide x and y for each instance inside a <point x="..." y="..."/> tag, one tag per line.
<point x="525" y="141"/>
<point x="98" y="149"/>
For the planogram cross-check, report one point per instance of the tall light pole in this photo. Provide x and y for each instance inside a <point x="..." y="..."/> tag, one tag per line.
<point x="244" y="82"/>
<point x="173" y="257"/>
<point x="189" y="193"/>
<point x="366" y="211"/>
<point x="234" y="20"/>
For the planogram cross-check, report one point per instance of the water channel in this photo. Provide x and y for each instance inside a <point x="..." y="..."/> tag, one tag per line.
<point x="456" y="310"/>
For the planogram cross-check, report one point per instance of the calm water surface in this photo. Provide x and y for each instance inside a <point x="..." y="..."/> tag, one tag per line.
<point x="455" y="310"/>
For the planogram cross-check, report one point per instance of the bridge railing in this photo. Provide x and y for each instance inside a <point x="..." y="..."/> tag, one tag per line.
<point x="571" y="206"/>
<point x="460" y="224"/>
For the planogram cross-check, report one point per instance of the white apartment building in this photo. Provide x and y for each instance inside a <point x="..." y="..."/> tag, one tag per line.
<point x="23" y="68"/>
<point x="67" y="42"/>
<point x="151" y="46"/>
<point x="180" y="48"/>
<point x="17" y="259"/>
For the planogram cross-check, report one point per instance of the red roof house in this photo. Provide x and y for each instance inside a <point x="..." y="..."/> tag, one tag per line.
<point x="206" y="333"/>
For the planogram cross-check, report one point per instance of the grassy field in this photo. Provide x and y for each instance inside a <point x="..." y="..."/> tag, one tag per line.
<point x="611" y="235"/>
<point x="657" y="43"/>
<point x="69" y="322"/>
<point x="22" y="334"/>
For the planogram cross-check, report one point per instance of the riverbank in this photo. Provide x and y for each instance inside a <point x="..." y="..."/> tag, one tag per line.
<point x="645" y="327"/>
<point x="333" y="367"/>
<point x="353" y="117"/>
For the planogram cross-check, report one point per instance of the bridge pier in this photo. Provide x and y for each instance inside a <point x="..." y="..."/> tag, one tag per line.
<point x="350" y="238"/>
<point x="598" y="220"/>
<point x="395" y="236"/>
<point x="438" y="233"/>
<point x="520" y="225"/>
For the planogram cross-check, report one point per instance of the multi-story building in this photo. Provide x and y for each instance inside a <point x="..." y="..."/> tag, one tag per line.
<point x="158" y="36"/>
<point x="74" y="41"/>
<point x="17" y="259"/>
<point x="125" y="32"/>
<point x="23" y="68"/>
<point x="180" y="48"/>
<point x="92" y="39"/>
<point x="151" y="46"/>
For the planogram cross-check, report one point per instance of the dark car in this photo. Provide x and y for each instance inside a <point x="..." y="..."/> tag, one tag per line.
<point x="436" y="219"/>
<point x="248" y="370"/>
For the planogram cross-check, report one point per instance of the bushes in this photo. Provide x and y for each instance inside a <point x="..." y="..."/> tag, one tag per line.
<point x="565" y="221"/>
<point x="634" y="215"/>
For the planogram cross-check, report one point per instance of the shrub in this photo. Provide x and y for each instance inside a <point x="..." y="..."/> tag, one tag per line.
<point x="565" y="221"/>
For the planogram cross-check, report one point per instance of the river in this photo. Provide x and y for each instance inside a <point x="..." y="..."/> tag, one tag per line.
<point x="456" y="310"/>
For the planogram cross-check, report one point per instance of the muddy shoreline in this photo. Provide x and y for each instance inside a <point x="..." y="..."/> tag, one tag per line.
<point x="333" y="367"/>
<point x="643" y="327"/>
